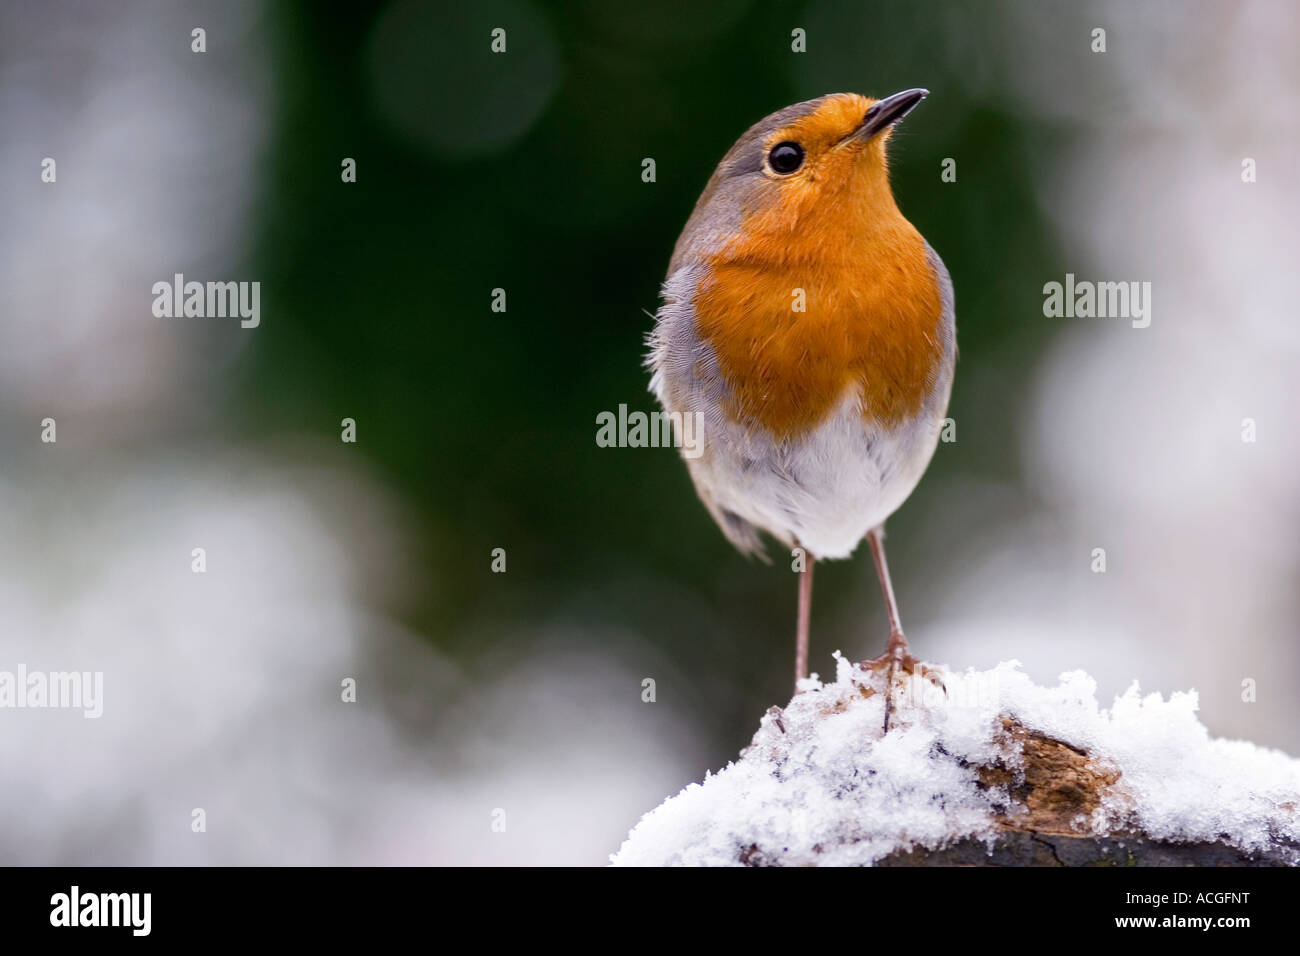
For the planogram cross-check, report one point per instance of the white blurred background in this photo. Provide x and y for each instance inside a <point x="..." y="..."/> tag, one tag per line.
<point x="1135" y="435"/>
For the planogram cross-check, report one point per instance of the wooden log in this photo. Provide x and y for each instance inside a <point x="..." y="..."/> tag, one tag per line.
<point x="1055" y="787"/>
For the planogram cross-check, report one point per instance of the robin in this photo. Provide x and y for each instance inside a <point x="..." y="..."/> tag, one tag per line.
<point x="812" y="327"/>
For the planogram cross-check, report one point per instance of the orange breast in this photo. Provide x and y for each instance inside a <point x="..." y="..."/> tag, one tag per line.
<point x="871" y="321"/>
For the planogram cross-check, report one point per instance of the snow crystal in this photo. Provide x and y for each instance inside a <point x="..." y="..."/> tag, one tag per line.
<point x="822" y="785"/>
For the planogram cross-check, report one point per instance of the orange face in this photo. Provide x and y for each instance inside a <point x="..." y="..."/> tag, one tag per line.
<point x="826" y="237"/>
<point x="838" y="166"/>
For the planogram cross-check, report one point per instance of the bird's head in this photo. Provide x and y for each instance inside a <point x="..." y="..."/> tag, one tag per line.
<point x="809" y="175"/>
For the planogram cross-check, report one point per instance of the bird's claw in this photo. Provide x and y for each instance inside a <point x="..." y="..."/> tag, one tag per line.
<point x="897" y="659"/>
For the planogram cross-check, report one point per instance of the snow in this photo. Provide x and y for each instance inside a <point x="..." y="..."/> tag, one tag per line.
<point x="821" y="785"/>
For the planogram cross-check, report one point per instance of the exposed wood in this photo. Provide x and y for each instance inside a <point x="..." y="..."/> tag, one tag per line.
<point x="1055" y="788"/>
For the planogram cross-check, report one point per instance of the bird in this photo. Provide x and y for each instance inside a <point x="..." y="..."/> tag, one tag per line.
<point x="811" y="328"/>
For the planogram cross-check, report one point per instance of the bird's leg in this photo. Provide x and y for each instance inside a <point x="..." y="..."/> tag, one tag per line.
<point x="802" y="621"/>
<point x="896" y="654"/>
<point x="876" y="539"/>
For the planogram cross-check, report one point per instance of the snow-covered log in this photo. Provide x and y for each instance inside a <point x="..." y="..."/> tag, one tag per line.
<point x="980" y="768"/>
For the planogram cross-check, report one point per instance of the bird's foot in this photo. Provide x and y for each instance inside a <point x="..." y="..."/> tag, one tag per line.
<point x="897" y="660"/>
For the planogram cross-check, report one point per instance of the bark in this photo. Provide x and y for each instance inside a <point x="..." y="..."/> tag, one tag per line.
<point x="1055" y="787"/>
<point x="1029" y="848"/>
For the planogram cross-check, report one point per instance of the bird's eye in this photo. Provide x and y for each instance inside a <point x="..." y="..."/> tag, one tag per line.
<point x="785" y="157"/>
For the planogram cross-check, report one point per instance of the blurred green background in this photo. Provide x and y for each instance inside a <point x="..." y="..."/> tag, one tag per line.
<point x="486" y="421"/>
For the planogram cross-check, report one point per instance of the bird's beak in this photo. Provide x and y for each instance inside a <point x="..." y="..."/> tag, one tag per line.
<point x="885" y="113"/>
